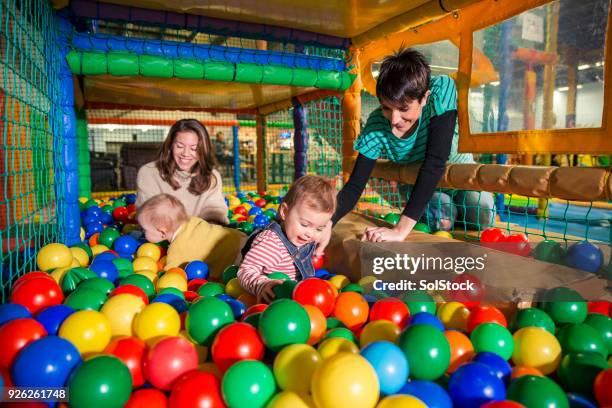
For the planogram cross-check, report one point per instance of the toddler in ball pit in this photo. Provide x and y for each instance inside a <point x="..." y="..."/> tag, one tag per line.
<point x="288" y="246"/>
<point x="163" y="217"/>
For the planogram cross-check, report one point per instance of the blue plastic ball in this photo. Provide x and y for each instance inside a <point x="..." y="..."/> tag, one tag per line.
<point x="92" y="228"/>
<point x="321" y="272"/>
<point x="196" y="269"/>
<point x="261" y="221"/>
<point x="104" y="256"/>
<point x="579" y="401"/>
<point x="12" y="311"/>
<point x="94" y="211"/>
<point x="106" y="218"/>
<point x="53" y="316"/>
<point x="389" y="363"/>
<point x="475" y="384"/>
<point x="584" y="255"/>
<point x="238" y="308"/>
<point x="90" y="219"/>
<point x="255" y="210"/>
<point x="426" y="318"/>
<point x="126" y="244"/>
<point x="180" y="305"/>
<point x="129" y="198"/>
<point x="105" y="269"/>
<point x="224" y="297"/>
<point x="495" y="362"/>
<point x="432" y="394"/>
<point x="46" y="362"/>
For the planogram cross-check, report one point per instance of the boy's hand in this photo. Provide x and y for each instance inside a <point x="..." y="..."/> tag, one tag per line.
<point x="323" y="241"/>
<point x="267" y="293"/>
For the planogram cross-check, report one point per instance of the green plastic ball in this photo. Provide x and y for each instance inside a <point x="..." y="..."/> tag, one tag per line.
<point x="427" y="350"/>
<point x="141" y="281"/>
<point x="124" y="266"/>
<point x="278" y="276"/>
<point x="74" y="277"/>
<point x="577" y="338"/>
<point x="334" y="323"/>
<point x="392" y="218"/>
<point x="253" y="319"/>
<point x="206" y="317"/>
<point x="352" y="287"/>
<point x="86" y="299"/>
<point x="285" y="289"/>
<point x="419" y="226"/>
<point x="100" y="382"/>
<point x="549" y="251"/>
<point x="577" y="372"/>
<point x="419" y="301"/>
<point x="342" y="332"/>
<point x="603" y="324"/>
<point x="537" y="392"/>
<point x="248" y="383"/>
<point x="120" y="202"/>
<point x="100" y="284"/>
<point x="108" y="236"/>
<point x="246" y="227"/>
<point x="173" y="291"/>
<point x="494" y="338"/>
<point x="229" y="273"/>
<point x="282" y="323"/>
<point x="211" y="289"/>
<point x="564" y="305"/>
<point x="534" y="317"/>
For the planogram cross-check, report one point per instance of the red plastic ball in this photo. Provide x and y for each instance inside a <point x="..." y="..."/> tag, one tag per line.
<point x="257" y="308"/>
<point x="31" y="275"/>
<point x="37" y="294"/>
<point x="603" y="388"/>
<point x="236" y="342"/>
<point x="241" y="210"/>
<point x="316" y="292"/>
<point x="131" y="208"/>
<point x="195" y="284"/>
<point x="391" y="309"/>
<point x="485" y="314"/>
<point x="196" y="389"/>
<point x="131" y="351"/>
<point x="318" y="262"/>
<point x="517" y="243"/>
<point x="600" y="306"/>
<point x="15" y="335"/>
<point x="472" y="296"/>
<point x="492" y="235"/>
<point x="190" y="296"/>
<point x="260" y="202"/>
<point x="147" y="398"/>
<point x="132" y="290"/>
<point x="167" y="360"/>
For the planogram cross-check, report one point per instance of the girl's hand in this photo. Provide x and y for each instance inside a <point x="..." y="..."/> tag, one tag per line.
<point x="267" y="291"/>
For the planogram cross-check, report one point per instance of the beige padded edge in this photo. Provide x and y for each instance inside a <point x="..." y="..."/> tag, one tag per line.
<point x="567" y="183"/>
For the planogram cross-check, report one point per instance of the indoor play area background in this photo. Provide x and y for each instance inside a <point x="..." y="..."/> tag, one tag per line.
<point x="89" y="90"/>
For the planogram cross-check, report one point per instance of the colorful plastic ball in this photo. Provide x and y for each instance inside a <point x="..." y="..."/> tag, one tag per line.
<point x="585" y="256"/>
<point x="564" y="305"/>
<point x="261" y="221"/>
<point x="108" y="236"/>
<point x="167" y="360"/>
<point x="12" y="311"/>
<point x="426" y="318"/>
<point x="294" y="367"/>
<point x="502" y="404"/>
<point x="126" y="244"/>
<point x="401" y="401"/>
<point x="285" y="289"/>
<point x="102" y="381"/>
<point x="150" y="251"/>
<point x="427" y="351"/>
<point x="578" y="371"/>
<point x="131" y="351"/>
<point x="339" y="281"/>
<point x="519" y="371"/>
<point x="461" y="349"/>
<point x="496" y="363"/>
<point x="453" y="315"/>
<point x="121" y="310"/>
<point x="156" y="320"/>
<point x="229" y="273"/>
<point x="391" y="309"/>
<point x="432" y="394"/>
<point x="485" y="314"/>
<point x="85" y="299"/>
<point x="534" y="391"/>
<point x="246" y="227"/>
<point x="351" y="309"/>
<point x="474" y="384"/>
<point x="15" y="335"/>
<point x="389" y="363"/>
<point x="392" y="218"/>
<point x="517" y="243"/>
<point x="53" y="256"/>
<point x="94" y="229"/>
<point x="345" y="380"/>
<point x="197" y="269"/>
<point x="580" y="401"/>
<point x="46" y="362"/>
<point x="419" y="301"/>
<point x="492" y="235"/>
<point x="147" y="397"/>
<point x="88" y="330"/>
<point x="284" y="322"/>
<point x="210" y="289"/>
<point x="248" y="384"/>
<point x="254" y="211"/>
<point x="420" y="226"/>
<point x="469" y="297"/>
<point x="177" y="302"/>
<point x="493" y="338"/>
<point x="236" y="342"/>
<point x="603" y="325"/>
<point x="52" y="317"/>
<point x="602" y="387"/>
<point x="318" y="262"/>
<point x="105" y="269"/>
<point x="534" y="317"/>
<point x="206" y="317"/>
<point x="318" y="324"/>
<point x="290" y="399"/>
<point x="196" y="389"/>
<point x="100" y="284"/>
<point x="37" y="294"/>
<point x="315" y="292"/>
<point x="171" y="280"/>
<point x="130" y="289"/>
<point x="549" y="251"/>
<point x="80" y="255"/>
<point x="141" y="282"/>
<point x="144" y="263"/>
<point x="332" y="346"/>
<point x="342" y="332"/>
<point x="575" y="338"/>
<point x="535" y="347"/>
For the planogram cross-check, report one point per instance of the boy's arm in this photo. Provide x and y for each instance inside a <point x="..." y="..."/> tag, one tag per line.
<point x="350" y="193"/>
<point x="263" y="255"/>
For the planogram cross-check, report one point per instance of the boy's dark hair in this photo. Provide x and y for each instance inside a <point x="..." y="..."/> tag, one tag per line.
<point x="403" y="77"/>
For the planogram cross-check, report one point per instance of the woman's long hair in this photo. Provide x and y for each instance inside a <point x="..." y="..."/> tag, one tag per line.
<point x="202" y="170"/>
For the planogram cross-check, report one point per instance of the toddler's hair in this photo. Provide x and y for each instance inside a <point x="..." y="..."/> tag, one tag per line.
<point x="163" y="211"/>
<point x="315" y="191"/>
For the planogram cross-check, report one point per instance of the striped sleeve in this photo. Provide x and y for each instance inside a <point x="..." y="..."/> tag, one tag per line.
<point x="443" y="94"/>
<point x="265" y="255"/>
<point x="369" y="141"/>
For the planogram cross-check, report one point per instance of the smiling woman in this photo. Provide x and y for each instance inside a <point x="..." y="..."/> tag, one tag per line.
<point x="185" y="168"/>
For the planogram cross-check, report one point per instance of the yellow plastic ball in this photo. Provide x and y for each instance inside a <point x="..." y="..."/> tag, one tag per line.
<point x="98" y="249"/>
<point x="88" y="330"/>
<point x="149" y="250"/>
<point x="171" y="280"/>
<point x="443" y="234"/>
<point x="82" y="234"/>
<point x="144" y="263"/>
<point x="294" y="366"/>
<point x="121" y="310"/>
<point x="345" y="380"/>
<point x="290" y="399"/>
<point x="247" y="206"/>
<point x="152" y="276"/>
<point x="127" y="228"/>
<point x="401" y="401"/>
<point x="251" y="218"/>
<point x="80" y="255"/>
<point x="335" y="345"/>
<point x="233" y="201"/>
<point x="339" y="281"/>
<point x="75" y="263"/>
<point x="53" y="256"/>
<point x="367" y="283"/>
<point x="536" y="347"/>
<point x="233" y="288"/>
<point x="271" y="206"/>
<point x="453" y="315"/>
<point x="58" y="274"/>
<point x="157" y="320"/>
<point x="379" y="330"/>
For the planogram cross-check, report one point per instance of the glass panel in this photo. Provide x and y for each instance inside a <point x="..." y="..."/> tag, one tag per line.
<point x="538" y="71"/>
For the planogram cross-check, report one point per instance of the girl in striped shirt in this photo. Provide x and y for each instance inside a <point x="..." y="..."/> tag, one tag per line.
<point x="288" y="246"/>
